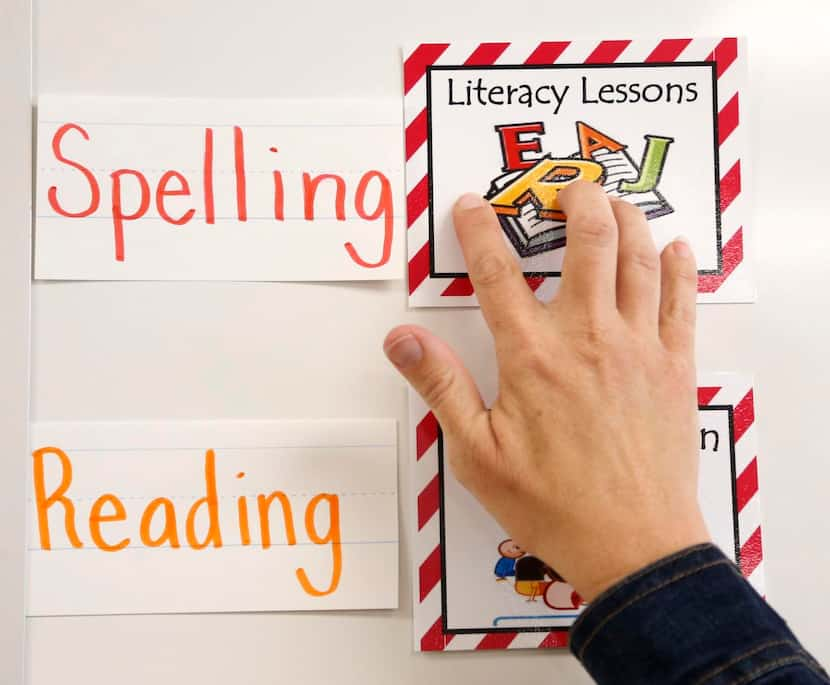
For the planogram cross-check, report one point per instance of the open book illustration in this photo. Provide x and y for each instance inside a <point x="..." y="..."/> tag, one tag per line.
<point x="525" y="200"/>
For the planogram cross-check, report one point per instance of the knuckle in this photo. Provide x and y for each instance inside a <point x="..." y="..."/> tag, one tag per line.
<point x="491" y="269"/>
<point x="590" y="355"/>
<point x="680" y="318"/>
<point x="528" y="356"/>
<point x="682" y="365"/>
<point x="679" y="370"/>
<point x="437" y="387"/>
<point x="629" y="211"/>
<point x="470" y="466"/>
<point x="537" y="360"/>
<point x="680" y="308"/>
<point x="593" y="340"/>
<point x="595" y="330"/>
<point x="684" y="314"/>
<point x="594" y="227"/>
<point x="645" y="260"/>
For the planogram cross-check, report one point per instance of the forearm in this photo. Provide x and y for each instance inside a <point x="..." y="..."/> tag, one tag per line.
<point x="689" y="618"/>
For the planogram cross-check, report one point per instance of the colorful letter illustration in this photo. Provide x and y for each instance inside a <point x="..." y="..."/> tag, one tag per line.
<point x="525" y="196"/>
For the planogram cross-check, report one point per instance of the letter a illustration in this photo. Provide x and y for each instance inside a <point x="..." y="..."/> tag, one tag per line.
<point x="591" y="140"/>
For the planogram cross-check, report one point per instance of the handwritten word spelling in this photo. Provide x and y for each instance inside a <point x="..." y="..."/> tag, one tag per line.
<point x="173" y="183"/>
<point x="109" y="508"/>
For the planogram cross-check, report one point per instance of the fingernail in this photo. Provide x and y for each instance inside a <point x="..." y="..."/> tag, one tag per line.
<point x="405" y="351"/>
<point x="470" y="201"/>
<point x="681" y="246"/>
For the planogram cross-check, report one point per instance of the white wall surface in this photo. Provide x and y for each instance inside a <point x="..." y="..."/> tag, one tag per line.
<point x="15" y="193"/>
<point x="202" y="350"/>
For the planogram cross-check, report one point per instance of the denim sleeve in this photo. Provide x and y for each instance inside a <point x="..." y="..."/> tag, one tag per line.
<point x="689" y="618"/>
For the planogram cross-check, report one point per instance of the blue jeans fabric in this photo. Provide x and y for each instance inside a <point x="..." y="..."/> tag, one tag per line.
<point x="689" y="618"/>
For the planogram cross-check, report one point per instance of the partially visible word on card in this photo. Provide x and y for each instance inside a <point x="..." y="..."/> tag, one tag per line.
<point x="478" y="589"/>
<point x="656" y="122"/>
<point x="212" y="517"/>
<point x="265" y="190"/>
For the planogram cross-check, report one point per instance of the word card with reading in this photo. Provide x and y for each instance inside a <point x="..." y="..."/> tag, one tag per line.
<point x="655" y="122"/>
<point x="477" y="589"/>
<point x="257" y="190"/>
<point x="132" y="518"/>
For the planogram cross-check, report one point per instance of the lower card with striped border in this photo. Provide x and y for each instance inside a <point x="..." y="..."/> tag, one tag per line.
<point x="475" y="589"/>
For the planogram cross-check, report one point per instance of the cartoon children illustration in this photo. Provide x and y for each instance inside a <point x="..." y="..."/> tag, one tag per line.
<point x="532" y="577"/>
<point x="559" y="595"/>
<point x="509" y="552"/>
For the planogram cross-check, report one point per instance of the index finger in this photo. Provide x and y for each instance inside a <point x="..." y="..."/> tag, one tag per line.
<point x="502" y="291"/>
<point x="589" y="270"/>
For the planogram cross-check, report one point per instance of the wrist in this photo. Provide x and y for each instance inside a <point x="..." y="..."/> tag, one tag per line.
<point x="610" y="569"/>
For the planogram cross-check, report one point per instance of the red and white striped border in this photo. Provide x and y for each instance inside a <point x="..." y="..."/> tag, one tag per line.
<point x="727" y="389"/>
<point x="733" y="284"/>
<point x="428" y="630"/>
<point x="720" y="389"/>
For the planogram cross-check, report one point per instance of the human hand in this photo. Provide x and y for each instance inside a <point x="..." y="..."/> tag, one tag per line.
<point x="588" y="455"/>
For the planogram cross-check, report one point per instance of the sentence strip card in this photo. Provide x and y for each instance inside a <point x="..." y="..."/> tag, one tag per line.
<point x="656" y="122"/>
<point x="212" y="517"/>
<point x="265" y="190"/>
<point x="476" y="589"/>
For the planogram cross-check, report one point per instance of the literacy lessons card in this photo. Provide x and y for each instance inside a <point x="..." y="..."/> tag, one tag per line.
<point x="209" y="516"/>
<point x="656" y="122"/>
<point x="244" y="190"/>
<point x="476" y="589"/>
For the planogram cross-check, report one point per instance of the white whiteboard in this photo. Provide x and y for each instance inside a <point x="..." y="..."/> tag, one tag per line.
<point x="15" y="133"/>
<point x="189" y="350"/>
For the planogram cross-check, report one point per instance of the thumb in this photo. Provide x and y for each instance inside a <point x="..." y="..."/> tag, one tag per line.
<point x="437" y="375"/>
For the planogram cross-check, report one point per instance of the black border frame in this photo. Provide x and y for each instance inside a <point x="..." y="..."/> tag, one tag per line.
<point x="729" y="408"/>
<point x="533" y="274"/>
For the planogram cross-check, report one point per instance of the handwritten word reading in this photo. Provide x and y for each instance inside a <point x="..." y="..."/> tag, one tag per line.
<point x="109" y="508"/>
<point x="172" y="183"/>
